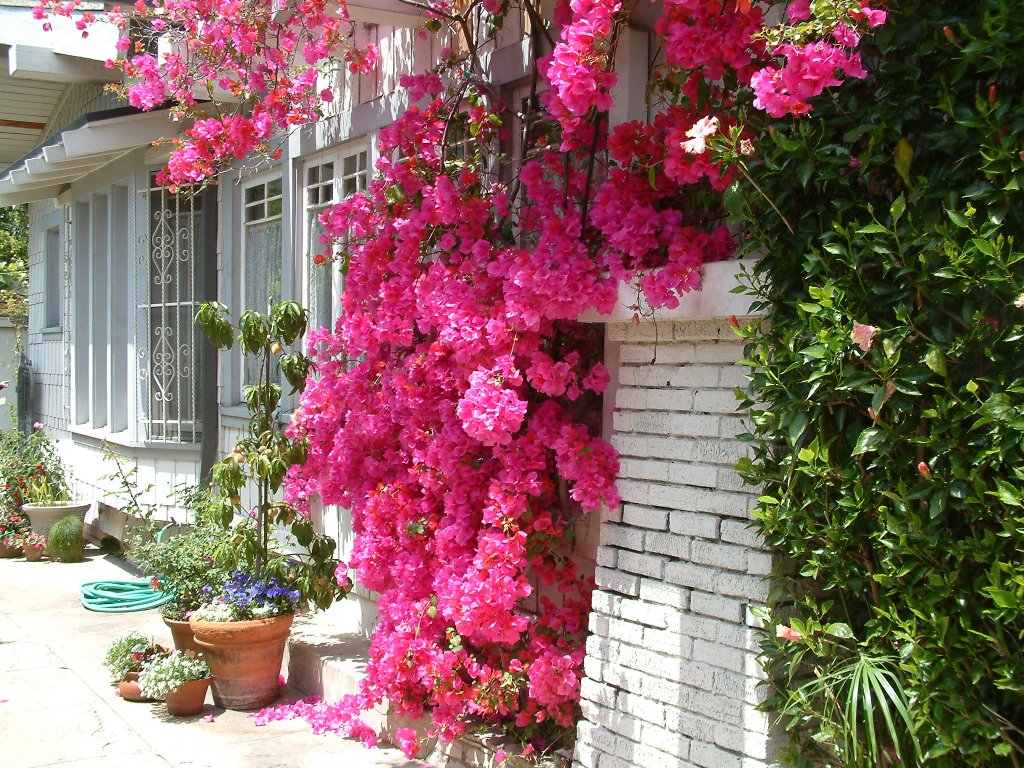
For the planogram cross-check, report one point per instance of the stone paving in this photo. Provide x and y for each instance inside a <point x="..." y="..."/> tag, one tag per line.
<point x="57" y="703"/>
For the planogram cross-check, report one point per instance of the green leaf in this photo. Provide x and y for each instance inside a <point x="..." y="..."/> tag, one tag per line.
<point x="936" y="361"/>
<point x="868" y="441"/>
<point x="797" y="426"/>
<point x="999" y="407"/>
<point x="898" y="207"/>
<point x="903" y="157"/>
<point x="873" y="229"/>
<point x="958" y="218"/>
<point x="840" y="630"/>
<point x="1006" y="493"/>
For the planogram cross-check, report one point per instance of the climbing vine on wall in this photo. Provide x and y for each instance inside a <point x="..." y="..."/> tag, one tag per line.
<point x="889" y="420"/>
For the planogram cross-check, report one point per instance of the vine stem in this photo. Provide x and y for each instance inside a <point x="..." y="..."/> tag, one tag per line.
<point x="746" y="174"/>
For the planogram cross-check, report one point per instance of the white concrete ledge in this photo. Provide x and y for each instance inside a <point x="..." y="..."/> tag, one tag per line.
<point x="714" y="299"/>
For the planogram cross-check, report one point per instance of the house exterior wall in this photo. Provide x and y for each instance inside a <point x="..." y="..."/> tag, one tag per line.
<point x="46" y="348"/>
<point x="671" y="669"/>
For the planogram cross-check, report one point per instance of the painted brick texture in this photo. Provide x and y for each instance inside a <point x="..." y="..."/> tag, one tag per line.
<point x="672" y="675"/>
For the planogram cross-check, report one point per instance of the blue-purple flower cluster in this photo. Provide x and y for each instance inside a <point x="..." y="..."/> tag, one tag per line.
<point x="253" y="598"/>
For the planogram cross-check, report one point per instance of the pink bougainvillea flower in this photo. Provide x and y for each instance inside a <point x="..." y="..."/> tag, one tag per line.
<point x="863" y="335"/>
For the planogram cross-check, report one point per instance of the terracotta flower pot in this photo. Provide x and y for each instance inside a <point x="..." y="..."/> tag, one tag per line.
<point x="245" y="657"/>
<point x="8" y="550"/>
<point x="189" y="699"/>
<point x="184" y="639"/>
<point x="34" y="554"/>
<point x="129" y="688"/>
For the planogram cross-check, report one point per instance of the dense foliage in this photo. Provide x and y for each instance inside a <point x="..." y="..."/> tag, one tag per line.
<point x="13" y="261"/>
<point x="270" y="539"/>
<point x="184" y="564"/>
<point x="26" y="460"/>
<point x="890" y="383"/>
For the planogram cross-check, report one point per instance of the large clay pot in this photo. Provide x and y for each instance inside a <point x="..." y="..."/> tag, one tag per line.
<point x="189" y="698"/>
<point x="43" y="516"/>
<point x="184" y="638"/>
<point x="245" y="657"/>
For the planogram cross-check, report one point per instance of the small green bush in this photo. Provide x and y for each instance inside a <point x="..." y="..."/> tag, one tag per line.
<point x="66" y="540"/>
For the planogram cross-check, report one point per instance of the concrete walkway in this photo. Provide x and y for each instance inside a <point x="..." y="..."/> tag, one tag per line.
<point x="57" y="703"/>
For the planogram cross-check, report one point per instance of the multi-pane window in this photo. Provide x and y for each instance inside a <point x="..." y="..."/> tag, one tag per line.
<point x="328" y="179"/>
<point x="262" y="231"/>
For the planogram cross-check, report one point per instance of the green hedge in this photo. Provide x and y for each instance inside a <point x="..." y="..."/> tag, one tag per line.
<point x="893" y="471"/>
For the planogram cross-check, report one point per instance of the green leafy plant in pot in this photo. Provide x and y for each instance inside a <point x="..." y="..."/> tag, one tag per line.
<point x="67" y="540"/>
<point x="47" y="500"/>
<point x="13" y="525"/>
<point x="125" y="658"/>
<point x="184" y="564"/>
<point x="259" y="463"/>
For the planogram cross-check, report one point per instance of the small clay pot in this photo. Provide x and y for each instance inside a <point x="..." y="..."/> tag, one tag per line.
<point x="189" y="699"/>
<point x="129" y="688"/>
<point x="7" y="550"/>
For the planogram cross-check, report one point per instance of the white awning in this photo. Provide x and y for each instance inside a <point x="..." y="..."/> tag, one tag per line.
<point x="78" y="150"/>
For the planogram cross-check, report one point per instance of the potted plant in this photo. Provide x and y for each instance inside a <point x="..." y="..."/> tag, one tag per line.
<point x="47" y="501"/>
<point x="66" y="540"/>
<point x="183" y="564"/>
<point x="124" y="660"/>
<point x="12" y="525"/>
<point x="244" y="629"/>
<point x="242" y="632"/>
<point x="32" y="545"/>
<point x="181" y="678"/>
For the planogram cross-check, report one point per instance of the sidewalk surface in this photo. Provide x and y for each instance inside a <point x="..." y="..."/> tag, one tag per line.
<point x="57" y="703"/>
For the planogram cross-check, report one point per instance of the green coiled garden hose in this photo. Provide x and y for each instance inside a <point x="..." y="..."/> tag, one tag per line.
<point x="113" y="596"/>
<point x="122" y="596"/>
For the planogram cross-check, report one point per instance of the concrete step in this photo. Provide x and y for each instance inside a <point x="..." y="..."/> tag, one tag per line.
<point x="327" y="656"/>
<point x="328" y="652"/>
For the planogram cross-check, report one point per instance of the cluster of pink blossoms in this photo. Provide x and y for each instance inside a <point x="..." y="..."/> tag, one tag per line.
<point x="456" y="407"/>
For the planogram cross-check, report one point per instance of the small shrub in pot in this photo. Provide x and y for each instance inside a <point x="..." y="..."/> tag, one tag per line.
<point x="66" y="540"/>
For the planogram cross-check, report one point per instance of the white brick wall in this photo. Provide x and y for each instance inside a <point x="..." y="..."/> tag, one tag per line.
<point x="671" y="665"/>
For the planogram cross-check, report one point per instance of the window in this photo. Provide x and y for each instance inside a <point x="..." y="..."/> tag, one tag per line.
<point x="137" y="283"/>
<point x="177" y="245"/>
<point x="261" y="254"/>
<point x="329" y="179"/>
<point x="53" y="279"/>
